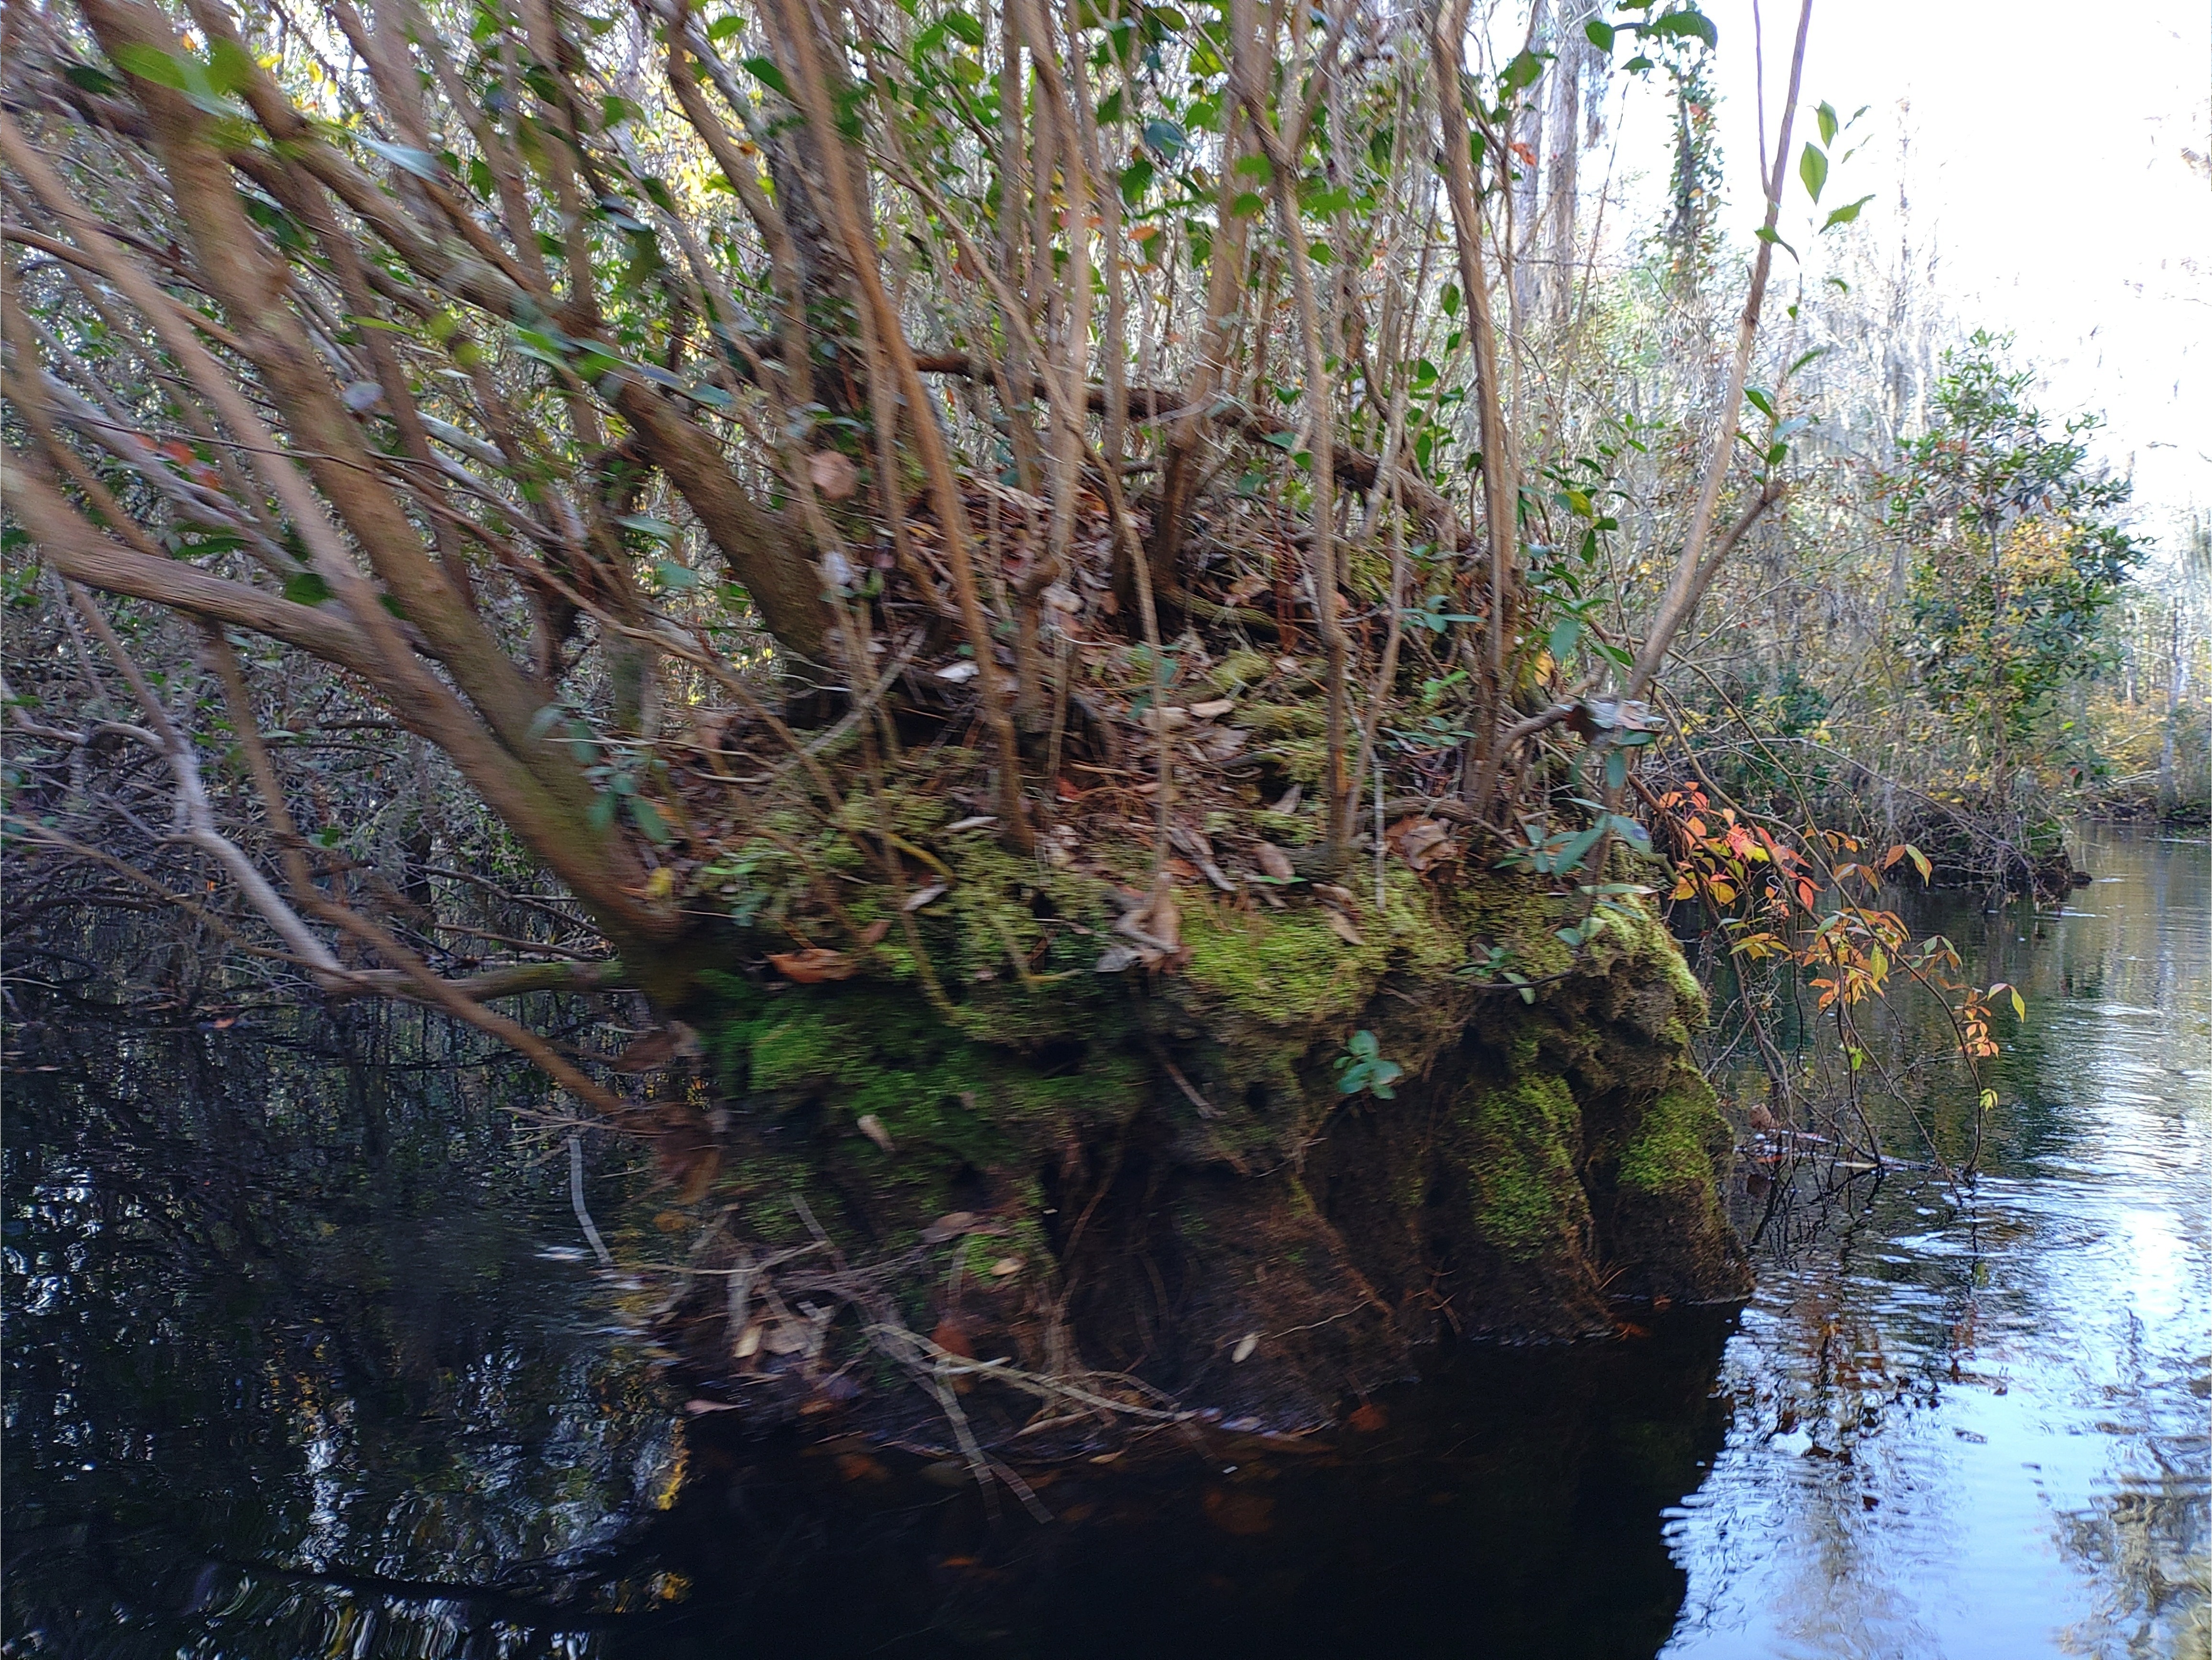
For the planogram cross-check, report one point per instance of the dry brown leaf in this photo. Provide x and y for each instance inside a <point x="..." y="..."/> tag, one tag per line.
<point x="872" y="1127"/>
<point x="813" y="965"/>
<point x="1006" y="1267"/>
<point x="1421" y="842"/>
<point x="833" y="474"/>
<point x="950" y="1225"/>
<point x="1275" y="862"/>
<point x="1225" y="743"/>
<point x="1344" y="927"/>
<point x="873" y="933"/>
<point x="1213" y="710"/>
<point x="921" y="896"/>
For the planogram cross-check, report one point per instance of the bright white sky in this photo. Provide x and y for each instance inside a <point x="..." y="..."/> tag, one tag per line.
<point x="2047" y="168"/>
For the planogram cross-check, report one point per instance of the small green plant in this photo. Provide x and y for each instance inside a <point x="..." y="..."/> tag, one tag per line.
<point x="1489" y="967"/>
<point x="1363" y="1068"/>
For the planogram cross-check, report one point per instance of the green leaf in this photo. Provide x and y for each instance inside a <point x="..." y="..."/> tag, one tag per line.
<point x="1812" y="169"/>
<point x="1449" y="300"/>
<point x="152" y="64"/>
<point x="305" y="588"/>
<point x="674" y="576"/>
<point x="1826" y="115"/>
<point x="1567" y="633"/>
<point x="230" y="68"/>
<point x="965" y="26"/>
<point x="649" y="819"/>
<point x="1845" y="215"/>
<point x="764" y="71"/>
<point x="1766" y="233"/>
<point x="1136" y="179"/>
<point x="646" y="524"/>
<point x="723" y="27"/>
<point x="1167" y="138"/>
<point x="91" y="80"/>
<point x="1523" y="71"/>
<point x="207" y="546"/>
<point x="1692" y="23"/>
<point x="1600" y="35"/>
<point x="1572" y="855"/>
<point x="1629" y="831"/>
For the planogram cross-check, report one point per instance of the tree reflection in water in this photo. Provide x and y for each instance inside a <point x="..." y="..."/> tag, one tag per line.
<point x="302" y="1361"/>
<point x="282" y="1322"/>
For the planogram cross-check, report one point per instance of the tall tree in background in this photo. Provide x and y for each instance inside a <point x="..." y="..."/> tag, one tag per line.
<point x="2017" y="550"/>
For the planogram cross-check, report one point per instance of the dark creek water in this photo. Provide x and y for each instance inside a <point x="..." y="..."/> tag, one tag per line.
<point x="303" y="1359"/>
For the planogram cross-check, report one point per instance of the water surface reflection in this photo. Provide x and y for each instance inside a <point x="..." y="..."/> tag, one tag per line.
<point x="1976" y="1426"/>
<point x="302" y="1360"/>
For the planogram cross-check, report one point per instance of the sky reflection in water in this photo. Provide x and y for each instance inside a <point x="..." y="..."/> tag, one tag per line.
<point x="1983" y="1432"/>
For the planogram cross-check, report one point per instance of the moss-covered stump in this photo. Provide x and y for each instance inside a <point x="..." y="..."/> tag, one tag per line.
<point x="1157" y="1171"/>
